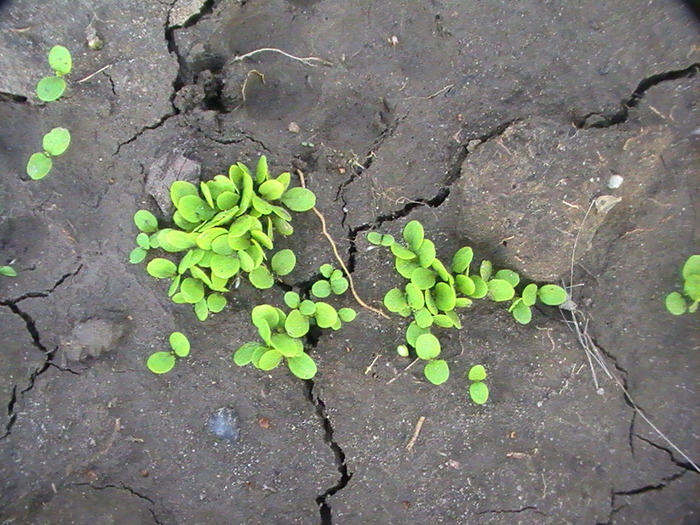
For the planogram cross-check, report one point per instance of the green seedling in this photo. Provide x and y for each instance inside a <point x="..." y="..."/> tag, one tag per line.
<point x="434" y="294"/>
<point x="478" y="390"/>
<point x="334" y="282"/>
<point x="52" y="88"/>
<point x="222" y="229"/>
<point x="679" y="303"/>
<point x="163" y="362"/>
<point x="55" y="143"/>
<point x="8" y="271"/>
<point x="282" y="333"/>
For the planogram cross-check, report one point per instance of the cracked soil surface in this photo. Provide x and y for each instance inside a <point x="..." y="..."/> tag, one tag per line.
<point x="496" y="124"/>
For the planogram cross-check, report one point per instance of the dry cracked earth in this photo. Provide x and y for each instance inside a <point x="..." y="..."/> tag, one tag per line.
<point x="496" y="124"/>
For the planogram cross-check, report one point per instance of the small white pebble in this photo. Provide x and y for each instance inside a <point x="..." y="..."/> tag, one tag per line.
<point x="615" y="181"/>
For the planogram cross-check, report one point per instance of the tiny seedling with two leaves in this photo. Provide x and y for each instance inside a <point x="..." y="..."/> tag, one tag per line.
<point x="679" y="303"/>
<point x="8" y="271"/>
<point x="222" y="229"/>
<point x="163" y="362"/>
<point x="56" y="141"/>
<point x="434" y="293"/>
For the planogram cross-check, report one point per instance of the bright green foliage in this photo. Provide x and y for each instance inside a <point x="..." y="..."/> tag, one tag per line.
<point x="434" y="293"/>
<point x="478" y="390"/>
<point x="55" y="143"/>
<point x="687" y="301"/>
<point x="163" y="362"/>
<point x="222" y="230"/>
<point x="8" y="271"/>
<point x="51" y="88"/>
<point x="334" y="282"/>
<point x="39" y="166"/>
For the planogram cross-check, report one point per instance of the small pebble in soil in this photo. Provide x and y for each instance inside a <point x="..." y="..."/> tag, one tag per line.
<point x="223" y="423"/>
<point x="615" y="181"/>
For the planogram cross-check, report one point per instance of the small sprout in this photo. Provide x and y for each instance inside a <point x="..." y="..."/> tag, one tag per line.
<point x="321" y="289"/>
<point x="180" y="344"/>
<point x="427" y="346"/>
<point x="39" y="166"/>
<point x="479" y="392"/>
<point x="137" y="255"/>
<point x="347" y="315"/>
<point x="56" y="141"/>
<point x="477" y="373"/>
<point x="552" y="295"/>
<point x="161" y="362"/>
<point x="50" y="88"/>
<point x="688" y="301"/>
<point x="8" y="271"/>
<point x="437" y="371"/>
<point x="402" y="350"/>
<point x="146" y="221"/>
<point x="292" y="299"/>
<point x="60" y="60"/>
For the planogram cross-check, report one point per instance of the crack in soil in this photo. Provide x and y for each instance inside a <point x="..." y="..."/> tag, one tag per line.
<point x="46" y="293"/>
<point x="665" y="482"/>
<point x="682" y="464"/>
<point x="123" y="486"/>
<point x="512" y="511"/>
<point x="14" y="99"/>
<point x="637" y="95"/>
<point x="452" y="174"/>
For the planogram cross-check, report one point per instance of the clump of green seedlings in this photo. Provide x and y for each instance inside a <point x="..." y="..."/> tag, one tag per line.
<point x="282" y="334"/>
<point x="55" y="143"/>
<point x="334" y="282"/>
<point x="478" y="390"/>
<point x="435" y="293"/>
<point x="52" y="87"/>
<point x="8" y="271"/>
<point x="223" y="228"/>
<point x="679" y="303"/>
<point x="163" y="362"/>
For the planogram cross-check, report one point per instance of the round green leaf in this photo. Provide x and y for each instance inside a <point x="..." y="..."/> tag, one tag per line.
<point x="480" y="287"/>
<point x="221" y="246"/>
<point x="39" y="166"/>
<point x="530" y="294"/>
<point x="181" y="188"/>
<point x="414" y="296"/>
<point x="430" y="303"/>
<point x="161" y="362"/>
<point x="347" y="315"/>
<point x="56" y="141"/>
<point x="50" y="88"/>
<point x="178" y="240"/>
<point x="216" y="302"/>
<point x="60" y="60"/>
<point x="427" y="346"/>
<point x="142" y="241"/>
<point x="226" y="200"/>
<point x="691" y="287"/>
<point x="307" y="307"/>
<point x="463" y="302"/>
<point x="423" y="278"/>
<point x="264" y="313"/>
<point x="261" y="206"/>
<point x="479" y="392"/>
<point x="477" y="373"/>
<point x="676" y="304"/>
<point x="374" y="238"/>
<point x="244" y="354"/>
<point x="326" y="315"/>
<point x="292" y="299"/>
<point x="455" y="319"/>
<point x="339" y="286"/>
<point x="296" y="324"/>
<point x="402" y="253"/>
<point x="302" y="366"/>
<point x="442" y="271"/>
<point x="443" y="321"/>
<point x="271" y="190"/>
<point x="552" y="295"/>
<point x="387" y="240"/>
<point x="261" y="171"/>
<point x="500" y="290"/>
<point x="181" y="223"/>
<point x="413" y="332"/>
<point x="508" y="275"/>
<point x="224" y="266"/>
<point x="426" y="253"/>
<point x="205" y="240"/>
<point x="445" y="297"/>
<point x="299" y="199"/>
<point x="146" y="221"/>
<point x="465" y="285"/>
<point x="180" y="344"/>
<point x="261" y="278"/>
<point x="161" y="268"/>
<point x="402" y="350"/>
<point x="485" y="270"/>
<point x="283" y="262"/>
<point x="437" y="371"/>
<point x="288" y="346"/>
<point x="405" y="267"/>
<point x="269" y="360"/>
<point x="190" y="259"/>
<point x="462" y="259"/>
<point x="201" y="310"/>
<point x="413" y="234"/>
<point x="691" y="266"/>
<point x="522" y="313"/>
<point x="424" y="319"/>
<point x="326" y="270"/>
<point x="192" y="290"/>
<point x="137" y="255"/>
<point x="321" y="289"/>
<point x="395" y="300"/>
<point x="188" y="206"/>
<point x="246" y="261"/>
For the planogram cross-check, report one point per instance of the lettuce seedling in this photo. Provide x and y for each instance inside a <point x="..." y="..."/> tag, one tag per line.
<point x="679" y="303"/>
<point x="52" y="88"/>
<point x="478" y="390"/>
<point x="8" y="271"/>
<point x="334" y="282"/>
<point x="55" y="143"/>
<point x="434" y="293"/>
<point x="163" y="362"/>
<point x="223" y="228"/>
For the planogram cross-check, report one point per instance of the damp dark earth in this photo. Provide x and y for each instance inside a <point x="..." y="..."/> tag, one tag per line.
<point x="558" y="139"/>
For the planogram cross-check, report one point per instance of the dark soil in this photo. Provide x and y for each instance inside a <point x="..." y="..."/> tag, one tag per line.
<point x="496" y="124"/>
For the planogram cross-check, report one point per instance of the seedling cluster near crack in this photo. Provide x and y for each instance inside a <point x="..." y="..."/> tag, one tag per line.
<point x="679" y="303"/>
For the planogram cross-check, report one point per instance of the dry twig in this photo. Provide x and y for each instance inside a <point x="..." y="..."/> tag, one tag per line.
<point x="309" y="61"/>
<point x="416" y="432"/>
<point x="93" y="74"/>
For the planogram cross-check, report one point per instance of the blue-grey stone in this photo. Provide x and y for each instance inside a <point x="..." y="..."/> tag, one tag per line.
<point x="223" y="423"/>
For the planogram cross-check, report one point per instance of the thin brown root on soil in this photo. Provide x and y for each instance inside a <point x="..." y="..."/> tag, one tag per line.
<point x="416" y="433"/>
<point x="309" y="61"/>
<point x="402" y="371"/>
<point x="324" y="230"/>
